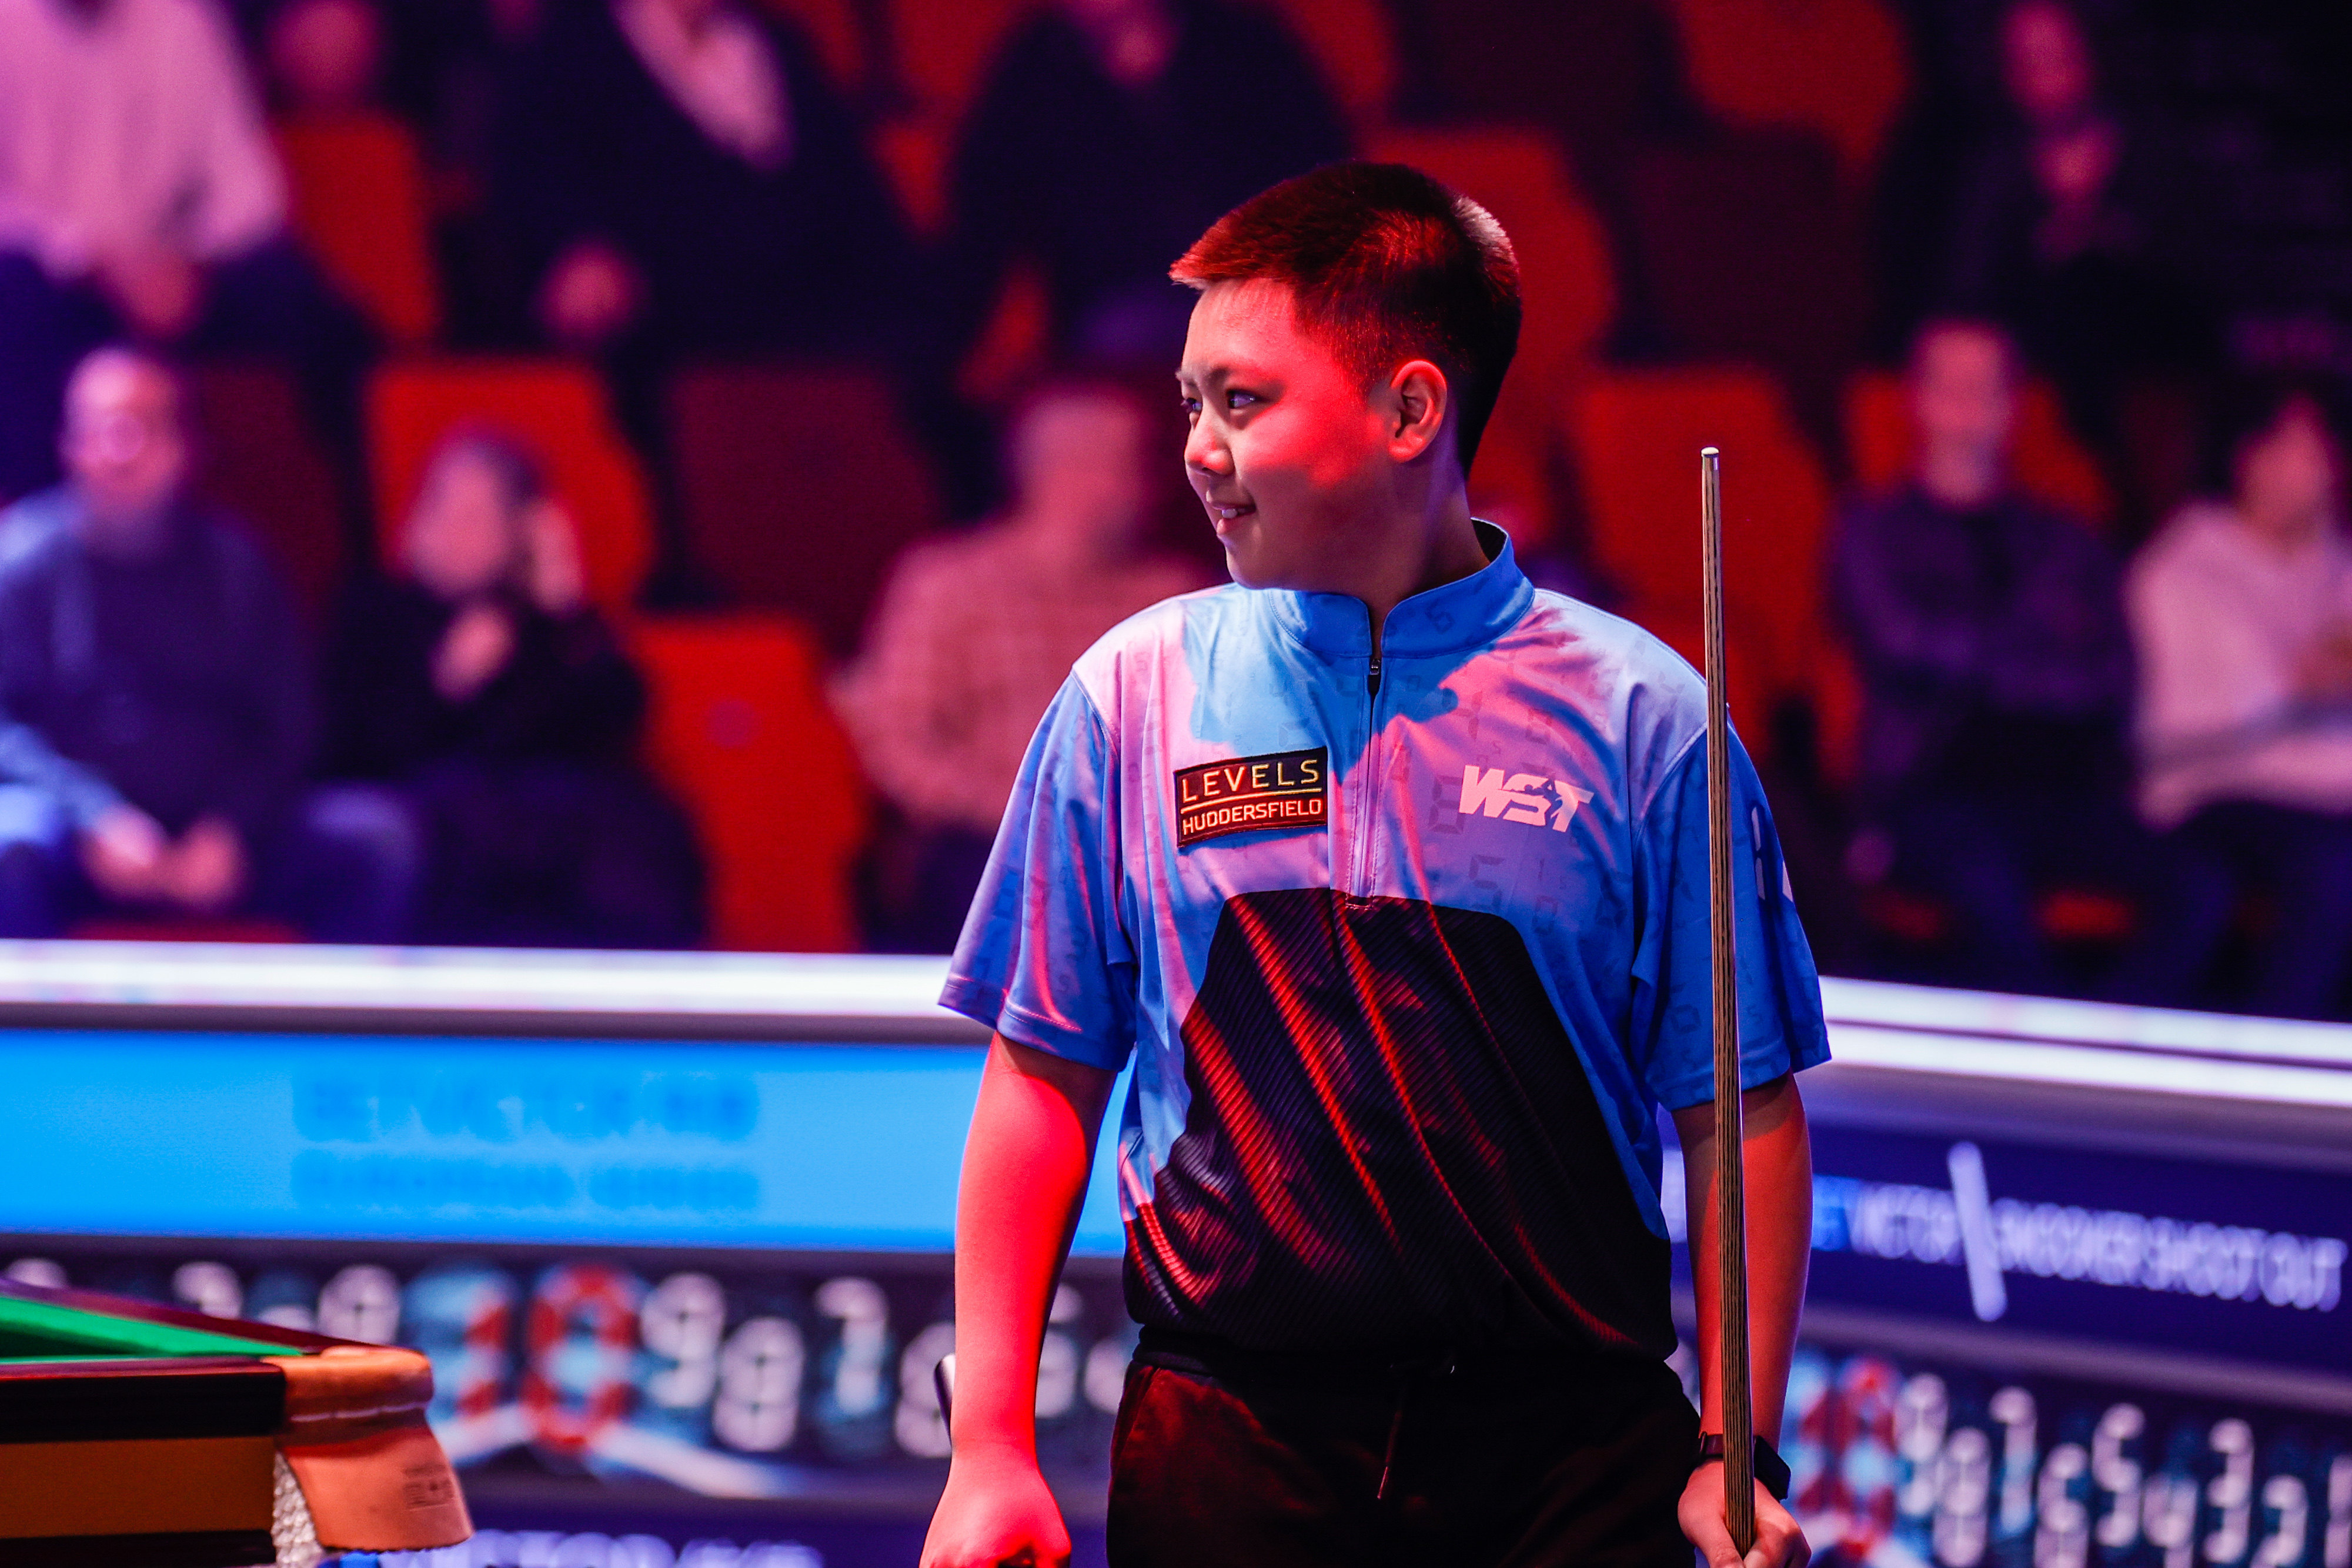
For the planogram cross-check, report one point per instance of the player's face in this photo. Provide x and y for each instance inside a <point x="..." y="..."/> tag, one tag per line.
<point x="1288" y="452"/>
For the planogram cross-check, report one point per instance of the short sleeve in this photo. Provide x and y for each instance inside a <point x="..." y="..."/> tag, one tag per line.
<point x="1046" y="959"/>
<point x="1781" y="1025"/>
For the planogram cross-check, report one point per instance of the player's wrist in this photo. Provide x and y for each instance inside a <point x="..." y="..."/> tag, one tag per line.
<point x="1769" y="1468"/>
<point x="993" y="1451"/>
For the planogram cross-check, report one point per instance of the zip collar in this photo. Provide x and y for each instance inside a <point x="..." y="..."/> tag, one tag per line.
<point x="1468" y="612"/>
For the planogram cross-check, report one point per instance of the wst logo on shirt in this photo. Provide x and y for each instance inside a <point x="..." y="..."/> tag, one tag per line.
<point x="1527" y="797"/>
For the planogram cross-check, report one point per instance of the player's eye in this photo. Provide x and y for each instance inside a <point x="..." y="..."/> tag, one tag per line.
<point x="1192" y="406"/>
<point x="1237" y="400"/>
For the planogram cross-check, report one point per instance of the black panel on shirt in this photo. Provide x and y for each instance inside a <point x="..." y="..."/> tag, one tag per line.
<point x="1391" y="1143"/>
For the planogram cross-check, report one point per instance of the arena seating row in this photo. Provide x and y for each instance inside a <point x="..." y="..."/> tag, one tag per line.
<point x="800" y="522"/>
<point x="1779" y="278"/>
<point x="740" y="728"/>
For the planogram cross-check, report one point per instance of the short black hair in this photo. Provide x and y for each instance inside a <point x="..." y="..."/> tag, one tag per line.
<point x="1384" y="265"/>
<point x="2013" y="357"/>
<point x="510" y="460"/>
<point x="2251" y="408"/>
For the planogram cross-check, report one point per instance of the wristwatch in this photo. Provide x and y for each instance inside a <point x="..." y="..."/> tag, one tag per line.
<point x="1771" y="1468"/>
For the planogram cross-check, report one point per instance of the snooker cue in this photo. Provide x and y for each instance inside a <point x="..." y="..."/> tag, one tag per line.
<point x="1730" y="1170"/>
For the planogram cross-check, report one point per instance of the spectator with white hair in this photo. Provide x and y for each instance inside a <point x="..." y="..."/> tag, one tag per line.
<point x="140" y="197"/>
<point x="157" y="719"/>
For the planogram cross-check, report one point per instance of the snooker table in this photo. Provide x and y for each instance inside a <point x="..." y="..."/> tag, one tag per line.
<point x="136" y="1434"/>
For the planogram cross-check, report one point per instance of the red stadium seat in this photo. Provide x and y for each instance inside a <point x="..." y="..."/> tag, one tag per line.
<point x="943" y="50"/>
<point x="2075" y="916"/>
<point x="1566" y="275"/>
<point x="1636" y="437"/>
<point x="799" y="485"/>
<point x="2051" y="465"/>
<point x="1565" y="278"/>
<point x="941" y="54"/>
<point x="257" y="458"/>
<point x="360" y="206"/>
<point x="913" y="152"/>
<point x="1836" y="66"/>
<point x="1588" y="72"/>
<point x="740" y="730"/>
<point x="833" y="30"/>
<point x="184" y="928"/>
<point x="554" y="407"/>
<point x="1754" y="252"/>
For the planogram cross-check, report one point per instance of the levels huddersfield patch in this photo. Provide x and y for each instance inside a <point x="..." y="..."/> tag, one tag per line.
<point x="1281" y="789"/>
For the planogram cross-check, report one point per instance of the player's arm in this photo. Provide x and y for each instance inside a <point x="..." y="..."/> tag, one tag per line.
<point x="1780" y="1162"/>
<point x="1024" y="1177"/>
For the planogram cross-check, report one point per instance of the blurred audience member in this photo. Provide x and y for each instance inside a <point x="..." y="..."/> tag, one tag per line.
<point x="324" y="57"/>
<point x="2063" y="228"/>
<point x="685" y="182"/>
<point x="482" y="682"/>
<point x="2242" y="614"/>
<point x="363" y="203"/>
<point x="446" y="65"/>
<point x="1092" y="153"/>
<point x="1991" y="638"/>
<point x="138" y="196"/>
<point x="685" y="169"/>
<point x="158" y="714"/>
<point x="976" y="633"/>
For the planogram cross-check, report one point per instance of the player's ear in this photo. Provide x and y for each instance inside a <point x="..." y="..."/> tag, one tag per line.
<point x="1419" y="402"/>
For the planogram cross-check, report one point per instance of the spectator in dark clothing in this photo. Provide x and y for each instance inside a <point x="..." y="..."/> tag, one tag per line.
<point x="158" y="709"/>
<point x="2064" y="233"/>
<point x="482" y="684"/>
<point x="685" y="183"/>
<point x="685" y="171"/>
<point x="1109" y="134"/>
<point x="1997" y="669"/>
<point x="140" y="197"/>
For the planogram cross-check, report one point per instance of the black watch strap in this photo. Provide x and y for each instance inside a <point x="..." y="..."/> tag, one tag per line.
<point x="1771" y="1468"/>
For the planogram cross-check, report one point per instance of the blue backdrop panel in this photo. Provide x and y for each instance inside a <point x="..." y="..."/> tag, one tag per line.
<point x="837" y="1147"/>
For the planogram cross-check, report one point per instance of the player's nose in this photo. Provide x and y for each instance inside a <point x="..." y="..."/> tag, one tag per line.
<point x="1205" y="452"/>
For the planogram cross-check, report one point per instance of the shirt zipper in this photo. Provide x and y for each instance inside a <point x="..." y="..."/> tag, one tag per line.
<point x="1369" y="772"/>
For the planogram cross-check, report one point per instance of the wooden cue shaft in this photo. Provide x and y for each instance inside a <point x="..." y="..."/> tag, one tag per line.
<point x="1730" y="1170"/>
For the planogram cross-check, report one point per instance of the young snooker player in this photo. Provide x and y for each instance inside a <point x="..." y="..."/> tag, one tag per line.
<point x="1390" y="872"/>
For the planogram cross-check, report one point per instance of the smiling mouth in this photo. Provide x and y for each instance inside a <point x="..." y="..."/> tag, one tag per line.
<point x="1226" y="513"/>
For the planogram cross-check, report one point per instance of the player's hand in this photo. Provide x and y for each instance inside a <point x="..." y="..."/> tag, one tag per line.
<point x="1779" y="1542"/>
<point x="996" y="1511"/>
<point x="205" y="871"/>
<point x="591" y="293"/>
<point x="2323" y="673"/>
<point x="479" y="641"/>
<point x="554" y="571"/>
<point x="123" y="850"/>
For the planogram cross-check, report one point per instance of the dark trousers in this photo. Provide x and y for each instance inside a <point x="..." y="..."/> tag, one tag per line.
<point x="555" y="854"/>
<point x="917" y="884"/>
<point x="342" y="867"/>
<point x="2302" y="860"/>
<point x="1990" y="853"/>
<point x="1507" y="1464"/>
<point x="269" y="301"/>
